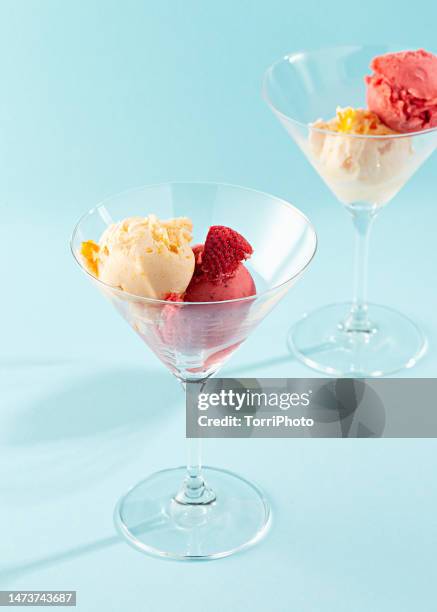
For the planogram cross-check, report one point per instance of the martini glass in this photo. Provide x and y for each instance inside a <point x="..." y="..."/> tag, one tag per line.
<point x="364" y="173"/>
<point x="197" y="512"/>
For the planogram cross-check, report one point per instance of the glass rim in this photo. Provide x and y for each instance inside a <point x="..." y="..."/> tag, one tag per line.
<point x="296" y="55"/>
<point x="141" y="298"/>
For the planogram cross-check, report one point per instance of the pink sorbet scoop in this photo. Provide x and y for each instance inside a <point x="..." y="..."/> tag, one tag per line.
<point x="402" y="90"/>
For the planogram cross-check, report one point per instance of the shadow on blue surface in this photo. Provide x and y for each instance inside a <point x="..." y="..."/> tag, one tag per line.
<point x="98" y="403"/>
<point x="7" y="576"/>
<point x="85" y="429"/>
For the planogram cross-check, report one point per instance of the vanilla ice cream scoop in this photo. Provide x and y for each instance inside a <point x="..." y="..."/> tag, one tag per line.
<point x="355" y="167"/>
<point x="143" y="256"/>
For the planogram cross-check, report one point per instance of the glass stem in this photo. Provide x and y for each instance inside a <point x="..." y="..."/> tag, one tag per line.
<point x="357" y="320"/>
<point x="194" y="489"/>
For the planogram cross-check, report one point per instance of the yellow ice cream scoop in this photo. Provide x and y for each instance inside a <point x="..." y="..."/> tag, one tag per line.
<point x="143" y="256"/>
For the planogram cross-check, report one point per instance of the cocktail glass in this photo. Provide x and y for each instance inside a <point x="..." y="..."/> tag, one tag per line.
<point x="364" y="173"/>
<point x="197" y="512"/>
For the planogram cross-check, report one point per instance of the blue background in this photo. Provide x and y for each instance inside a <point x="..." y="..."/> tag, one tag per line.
<point x="100" y="96"/>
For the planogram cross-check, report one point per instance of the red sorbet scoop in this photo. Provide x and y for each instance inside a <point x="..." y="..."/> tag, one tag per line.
<point x="402" y="90"/>
<point x="212" y="330"/>
<point x="219" y="274"/>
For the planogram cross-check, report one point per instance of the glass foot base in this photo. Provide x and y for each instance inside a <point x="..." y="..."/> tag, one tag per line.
<point x="322" y="341"/>
<point x="152" y="521"/>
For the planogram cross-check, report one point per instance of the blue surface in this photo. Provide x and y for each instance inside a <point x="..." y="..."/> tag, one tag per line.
<point x="104" y="95"/>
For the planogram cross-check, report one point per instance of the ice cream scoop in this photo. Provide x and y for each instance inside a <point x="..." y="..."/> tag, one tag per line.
<point x="143" y="256"/>
<point x="355" y="160"/>
<point x="219" y="273"/>
<point x="402" y="90"/>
